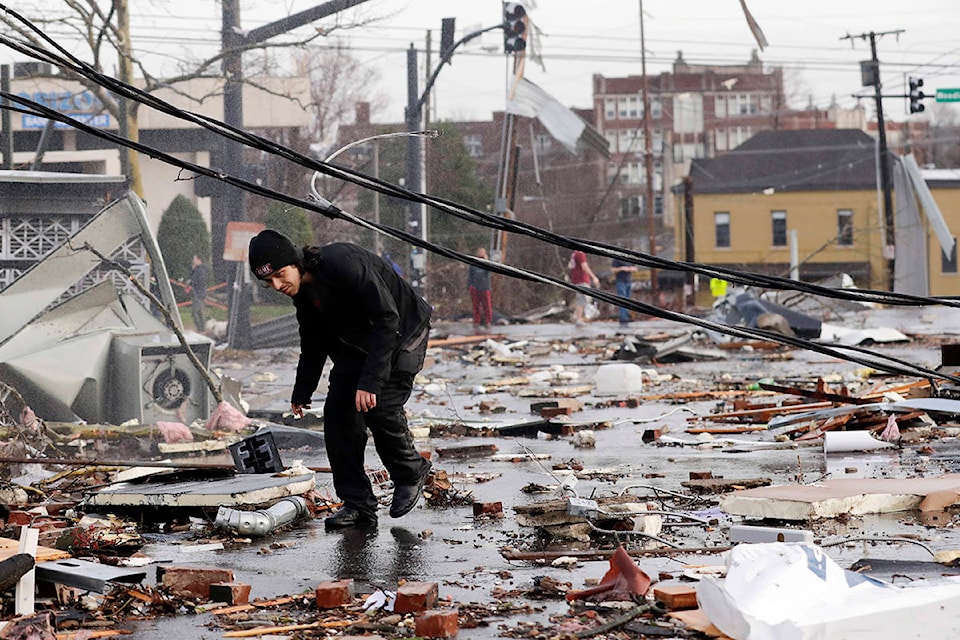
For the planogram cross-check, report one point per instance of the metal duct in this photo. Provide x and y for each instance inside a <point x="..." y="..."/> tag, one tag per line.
<point x="264" y="521"/>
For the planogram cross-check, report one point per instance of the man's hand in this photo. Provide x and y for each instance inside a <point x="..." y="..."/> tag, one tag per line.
<point x="365" y="400"/>
<point x="297" y="409"/>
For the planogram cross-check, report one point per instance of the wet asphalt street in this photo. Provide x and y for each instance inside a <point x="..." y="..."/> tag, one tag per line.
<point x="463" y="555"/>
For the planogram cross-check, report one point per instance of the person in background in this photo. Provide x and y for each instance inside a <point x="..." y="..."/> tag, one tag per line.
<point x="198" y="292"/>
<point x="718" y="287"/>
<point x="478" y="280"/>
<point x="353" y="308"/>
<point x="580" y="273"/>
<point x="623" y="272"/>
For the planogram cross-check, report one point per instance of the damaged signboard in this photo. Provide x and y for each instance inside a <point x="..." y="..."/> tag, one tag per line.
<point x="96" y="353"/>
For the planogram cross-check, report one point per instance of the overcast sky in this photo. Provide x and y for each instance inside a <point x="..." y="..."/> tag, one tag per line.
<point x="582" y="38"/>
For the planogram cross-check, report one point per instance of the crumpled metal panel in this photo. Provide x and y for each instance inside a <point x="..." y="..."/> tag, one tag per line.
<point x="35" y="290"/>
<point x="64" y="359"/>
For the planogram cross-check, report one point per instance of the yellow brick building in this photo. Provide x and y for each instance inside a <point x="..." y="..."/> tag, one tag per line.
<point x="805" y="196"/>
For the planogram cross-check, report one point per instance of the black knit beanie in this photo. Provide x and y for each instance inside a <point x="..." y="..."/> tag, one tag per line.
<point x="270" y="251"/>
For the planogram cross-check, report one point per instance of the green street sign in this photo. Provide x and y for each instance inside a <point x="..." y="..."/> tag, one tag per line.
<point x="948" y="95"/>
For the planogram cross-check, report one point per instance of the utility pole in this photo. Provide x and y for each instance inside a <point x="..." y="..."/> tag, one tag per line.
<point x="417" y="212"/>
<point x="6" y="144"/>
<point x="230" y="205"/>
<point x="129" y="159"/>
<point x="871" y="76"/>
<point x="648" y="158"/>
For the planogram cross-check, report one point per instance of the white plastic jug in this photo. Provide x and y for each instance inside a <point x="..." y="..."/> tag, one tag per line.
<point x="619" y="379"/>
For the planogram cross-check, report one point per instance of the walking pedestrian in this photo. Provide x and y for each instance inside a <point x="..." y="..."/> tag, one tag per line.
<point x="580" y="273"/>
<point x="198" y="292"/>
<point x="353" y="308"/>
<point x="623" y="274"/>
<point x="478" y="281"/>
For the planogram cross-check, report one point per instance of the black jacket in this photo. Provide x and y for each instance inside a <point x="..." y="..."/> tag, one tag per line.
<point x="360" y="314"/>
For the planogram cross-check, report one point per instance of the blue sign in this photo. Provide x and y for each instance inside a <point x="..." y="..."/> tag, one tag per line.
<point x="65" y="101"/>
<point x="98" y="120"/>
<point x="84" y="107"/>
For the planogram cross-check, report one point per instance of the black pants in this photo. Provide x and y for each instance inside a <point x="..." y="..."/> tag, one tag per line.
<point x="345" y="433"/>
<point x="196" y="311"/>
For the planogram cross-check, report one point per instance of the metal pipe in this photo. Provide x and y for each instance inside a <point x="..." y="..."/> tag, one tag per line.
<point x="264" y="521"/>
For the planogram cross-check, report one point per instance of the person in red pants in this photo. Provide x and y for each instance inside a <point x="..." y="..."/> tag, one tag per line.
<point x="478" y="279"/>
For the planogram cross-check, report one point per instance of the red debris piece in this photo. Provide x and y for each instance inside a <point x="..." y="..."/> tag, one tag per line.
<point x="622" y="581"/>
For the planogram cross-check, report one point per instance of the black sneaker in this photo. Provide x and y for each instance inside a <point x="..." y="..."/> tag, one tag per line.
<point x="406" y="496"/>
<point x="349" y="517"/>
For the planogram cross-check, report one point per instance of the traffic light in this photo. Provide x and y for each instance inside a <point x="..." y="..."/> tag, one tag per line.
<point x="916" y="95"/>
<point x="514" y="27"/>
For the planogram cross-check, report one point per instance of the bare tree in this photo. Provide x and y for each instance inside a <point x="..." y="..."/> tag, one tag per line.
<point x="944" y="143"/>
<point x="338" y="81"/>
<point x="101" y="28"/>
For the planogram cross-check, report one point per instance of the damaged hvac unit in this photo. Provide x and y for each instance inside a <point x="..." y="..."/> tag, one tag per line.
<point x="96" y="353"/>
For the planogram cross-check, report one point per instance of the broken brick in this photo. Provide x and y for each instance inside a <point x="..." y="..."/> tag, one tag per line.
<point x="492" y="509"/>
<point x="567" y="405"/>
<point x="333" y="594"/>
<point x="701" y="475"/>
<point x="19" y="518"/>
<point x="416" y="596"/>
<point x="437" y="624"/>
<point x="651" y="435"/>
<point x="230" y="593"/>
<point x="194" y="581"/>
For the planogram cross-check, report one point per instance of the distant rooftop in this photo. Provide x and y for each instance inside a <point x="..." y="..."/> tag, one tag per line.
<point x="793" y="160"/>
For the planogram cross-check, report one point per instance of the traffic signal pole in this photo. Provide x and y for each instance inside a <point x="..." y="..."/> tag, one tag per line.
<point x="885" y="180"/>
<point x="232" y="201"/>
<point x="416" y="211"/>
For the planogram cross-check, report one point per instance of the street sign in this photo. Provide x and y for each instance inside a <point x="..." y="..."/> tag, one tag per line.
<point x="948" y="95"/>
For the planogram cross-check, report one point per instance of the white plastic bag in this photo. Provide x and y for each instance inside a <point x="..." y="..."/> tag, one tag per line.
<point x="591" y="310"/>
<point x="794" y="591"/>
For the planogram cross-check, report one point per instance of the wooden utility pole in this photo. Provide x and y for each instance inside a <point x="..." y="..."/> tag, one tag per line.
<point x="129" y="129"/>
<point x="648" y="157"/>
<point x="885" y="180"/>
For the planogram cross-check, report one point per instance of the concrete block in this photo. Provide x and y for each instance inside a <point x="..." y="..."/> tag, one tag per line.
<point x="436" y="624"/>
<point x="747" y="533"/>
<point x="194" y="581"/>
<point x="230" y="592"/>
<point x="416" y="596"/>
<point x="333" y="594"/>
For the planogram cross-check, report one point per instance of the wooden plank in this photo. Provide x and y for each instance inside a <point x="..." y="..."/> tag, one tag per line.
<point x="761" y="415"/>
<point x="727" y="430"/>
<point x="815" y="394"/>
<point x="457" y="341"/>
<point x="677" y="596"/>
<point x="8" y="548"/>
<point x="28" y="583"/>
<point x="697" y="620"/>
